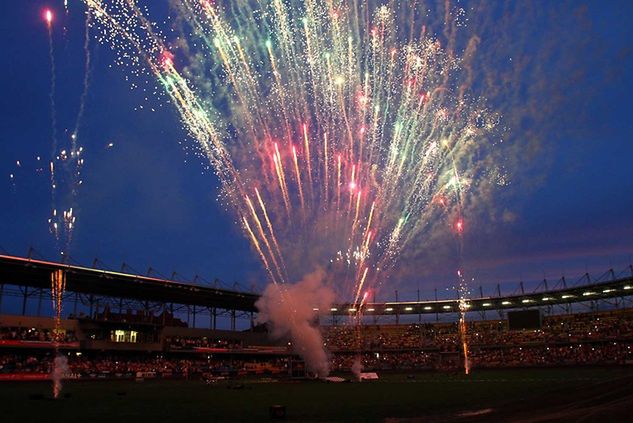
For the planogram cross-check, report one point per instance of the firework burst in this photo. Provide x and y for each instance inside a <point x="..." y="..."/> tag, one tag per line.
<point x="340" y="132"/>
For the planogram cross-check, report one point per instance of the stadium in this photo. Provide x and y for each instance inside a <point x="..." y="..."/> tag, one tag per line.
<point x="132" y="341"/>
<point x="423" y="208"/>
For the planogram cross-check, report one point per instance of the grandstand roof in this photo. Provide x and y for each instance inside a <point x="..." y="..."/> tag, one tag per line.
<point x="602" y="290"/>
<point x="85" y="280"/>
<point x="37" y="273"/>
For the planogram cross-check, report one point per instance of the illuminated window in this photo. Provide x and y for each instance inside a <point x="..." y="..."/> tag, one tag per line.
<point x="123" y="335"/>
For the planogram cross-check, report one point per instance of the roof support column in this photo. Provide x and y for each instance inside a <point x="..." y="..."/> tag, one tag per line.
<point x="397" y="310"/>
<point x="39" y="302"/>
<point x="419" y="314"/>
<point x="24" y="297"/>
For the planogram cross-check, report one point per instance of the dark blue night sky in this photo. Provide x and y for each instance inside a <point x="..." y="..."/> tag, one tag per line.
<point x="148" y="201"/>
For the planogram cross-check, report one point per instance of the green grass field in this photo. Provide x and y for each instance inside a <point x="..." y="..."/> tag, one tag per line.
<point x="394" y="396"/>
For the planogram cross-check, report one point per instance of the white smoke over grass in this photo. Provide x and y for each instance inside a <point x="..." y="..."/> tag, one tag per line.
<point x="60" y="369"/>
<point x="289" y="312"/>
<point x="357" y="368"/>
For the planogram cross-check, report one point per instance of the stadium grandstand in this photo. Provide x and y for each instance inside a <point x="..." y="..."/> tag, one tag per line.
<point x="123" y="325"/>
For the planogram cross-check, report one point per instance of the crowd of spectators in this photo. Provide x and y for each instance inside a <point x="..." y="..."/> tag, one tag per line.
<point x="113" y="365"/>
<point x="102" y="364"/>
<point x="23" y="363"/>
<point x="575" y="339"/>
<point x="445" y="337"/>
<point x="36" y="334"/>
<point x="405" y="360"/>
<point x="596" y="353"/>
<point x="190" y="343"/>
<point x="602" y="353"/>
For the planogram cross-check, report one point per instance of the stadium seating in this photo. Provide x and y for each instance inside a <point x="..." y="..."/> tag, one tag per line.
<point x="604" y="338"/>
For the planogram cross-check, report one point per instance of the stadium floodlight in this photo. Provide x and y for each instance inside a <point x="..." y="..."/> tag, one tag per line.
<point x="446" y="307"/>
<point x="506" y="303"/>
<point x="567" y="296"/>
<point x="606" y="291"/>
<point x="546" y="298"/>
<point x="315" y="309"/>
<point x="333" y="309"/>
<point x="527" y="300"/>
<point x="351" y="310"/>
<point x="389" y="309"/>
<point x="626" y="287"/>
<point x="486" y="304"/>
<point x="585" y="294"/>
<point x="371" y="309"/>
<point x="428" y="308"/>
<point x="408" y="308"/>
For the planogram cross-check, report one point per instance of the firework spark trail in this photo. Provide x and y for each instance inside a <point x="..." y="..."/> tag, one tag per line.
<point x="66" y="160"/>
<point x="360" y="286"/>
<point x="298" y="176"/>
<point x="75" y="163"/>
<point x="86" y="83"/>
<point x="463" y="333"/>
<point x="326" y="175"/>
<point x="271" y="252"/>
<point x="356" y="317"/>
<point x="308" y="159"/>
<point x="48" y="16"/>
<point x="64" y="183"/>
<point x="272" y="233"/>
<point x="463" y="329"/>
<point x="336" y="96"/>
<point x="259" y="250"/>
<point x="463" y="294"/>
<point x="58" y="287"/>
<point x="282" y="178"/>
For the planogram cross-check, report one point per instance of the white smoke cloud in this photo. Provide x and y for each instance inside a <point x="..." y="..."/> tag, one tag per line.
<point x="60" y="369"/>
<point x="357" y="368"/>
<point x="289" y="312"/>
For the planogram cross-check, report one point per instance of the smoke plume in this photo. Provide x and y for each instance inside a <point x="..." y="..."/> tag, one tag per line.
<point x="357" y="369"/>
<point x="60" y="368"/>
<point x="289" y="312"/>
